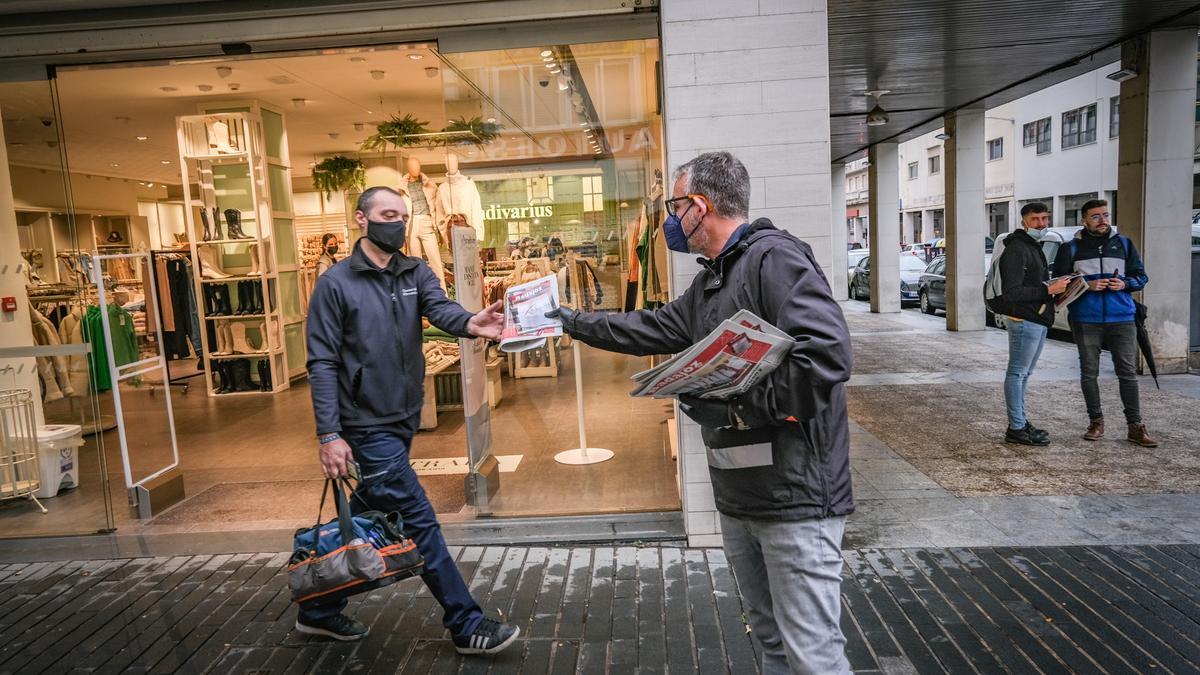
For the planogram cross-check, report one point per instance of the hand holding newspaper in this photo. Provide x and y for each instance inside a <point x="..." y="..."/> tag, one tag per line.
<point x="526" y="325"/>
<point x="1077" y="287"/>
<point x="735" y="356"/>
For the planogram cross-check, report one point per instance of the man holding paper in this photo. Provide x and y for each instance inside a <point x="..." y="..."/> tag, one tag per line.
<point x="778" y="453"/>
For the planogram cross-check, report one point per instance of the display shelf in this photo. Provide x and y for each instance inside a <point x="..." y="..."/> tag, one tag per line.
<point x="250" y="194"/>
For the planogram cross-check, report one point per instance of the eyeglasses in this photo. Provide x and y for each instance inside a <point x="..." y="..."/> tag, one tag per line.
<point x="674" y="210"/>
<point x="1097" y="217"/>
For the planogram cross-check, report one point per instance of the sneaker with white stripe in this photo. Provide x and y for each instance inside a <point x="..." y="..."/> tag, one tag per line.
<point x="490" y="637"/>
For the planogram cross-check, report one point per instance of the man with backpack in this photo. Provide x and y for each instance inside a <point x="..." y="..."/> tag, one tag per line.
<point x="1104" y="317"/>
<point x="1027" y="303"/>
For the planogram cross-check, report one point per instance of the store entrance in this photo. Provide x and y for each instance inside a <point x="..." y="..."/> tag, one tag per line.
<point x="239" y="176"/>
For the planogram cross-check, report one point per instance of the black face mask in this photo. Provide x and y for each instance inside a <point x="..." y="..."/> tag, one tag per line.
<point x="387" y="235"/>
<point x="331" y="250"/>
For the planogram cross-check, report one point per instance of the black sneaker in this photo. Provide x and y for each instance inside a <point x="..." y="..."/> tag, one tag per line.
<point x="1042" y="433"/>
<point x="1026" y="436"/>
<point x="338" y="627"/>
<point x="491" y="637"/>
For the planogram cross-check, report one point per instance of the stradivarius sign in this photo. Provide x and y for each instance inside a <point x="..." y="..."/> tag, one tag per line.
<point x="498" y="212"/>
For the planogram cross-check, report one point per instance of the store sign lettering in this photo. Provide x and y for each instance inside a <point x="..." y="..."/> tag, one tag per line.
<point x="557" y="144"/>
<point x="497" y="212"/>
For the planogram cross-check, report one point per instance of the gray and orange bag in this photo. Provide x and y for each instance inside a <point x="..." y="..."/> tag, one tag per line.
<point x="351" y="554"/>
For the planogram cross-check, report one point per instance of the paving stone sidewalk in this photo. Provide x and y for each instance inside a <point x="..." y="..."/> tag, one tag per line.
<point x="1123" y="609"/>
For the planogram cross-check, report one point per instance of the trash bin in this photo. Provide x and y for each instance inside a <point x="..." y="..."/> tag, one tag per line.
<point x="58" y="457"/>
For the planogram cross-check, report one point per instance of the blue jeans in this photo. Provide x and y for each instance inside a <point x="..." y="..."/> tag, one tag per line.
<point x="1025" y="342"/>
<point x="790" y="577"/>
<point x="390" y="484"/>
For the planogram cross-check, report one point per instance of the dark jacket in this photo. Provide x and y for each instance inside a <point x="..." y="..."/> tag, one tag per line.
<point x="1023" y="271"/>
<point x="1111" y="255"/>
<point x="793" y="464"/>
<point x="366" y="367"/>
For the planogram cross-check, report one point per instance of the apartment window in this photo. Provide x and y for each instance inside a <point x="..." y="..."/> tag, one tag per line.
<point x="912" y="170"/>
<point x="1114" y="117"/>
<point x="995" y="148"/>
<point x="1079" y="126"/>
<point x="935" y="164"/>
<point x="1038" y="133"/>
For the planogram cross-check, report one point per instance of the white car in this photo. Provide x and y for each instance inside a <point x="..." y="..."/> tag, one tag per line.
<point x="1054" y="239"/>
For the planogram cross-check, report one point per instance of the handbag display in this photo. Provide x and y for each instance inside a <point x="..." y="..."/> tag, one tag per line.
<point x="351" y="554"/>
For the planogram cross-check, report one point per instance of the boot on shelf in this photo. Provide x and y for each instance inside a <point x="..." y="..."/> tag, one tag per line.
<point x="238" y="344"/>
<point x="204" y="219"/>
<point x="223" y="295"/>
<point x="241" y="375"/>
<point x="221" y="348"/>
<point x="255" y="269"/>
<point x="218" y="138"/>
<point x="243" y="299"/>
<point x="264" y="375"/>
<point x="233" y="218"/>
<point x="217" y="234"/>
<point x="264" y="341"/>
<point x="219" y="379"/>
<point x="258" y="296"/>
<point x="209" y="268"/>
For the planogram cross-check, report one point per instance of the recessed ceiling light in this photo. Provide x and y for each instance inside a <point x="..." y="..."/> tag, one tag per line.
<point x="551" y="65"/>
<point x="358" y="126"/>
<point x="164" y="161"/>
<point x="280" y="80"/>
<point x="430" y="71"/>
<point x="555" y="70"/>
<point x="562" y="84"/>
<point x="358" y="59"/>
<point x="122" y="119"/>
<point x="491" y="120"/>
<point x="547" y="52"/>
<point x="143" y="138"/>
<point x="149" y="184"/>
<point x="299" y="102"/>
<point x="204" y="87"/>
<point x="224" y="71"/>
<point x="377" y="74"/>
<point x="113" y="164"/>
<point x="334" y="135"/>
<point x="416" y="57"/>
<point x="583" y="124"/>
<point x="234" y="86"/>
<point x="169" y="89"/>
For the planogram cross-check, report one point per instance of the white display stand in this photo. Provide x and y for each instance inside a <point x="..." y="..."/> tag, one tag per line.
<point x="583" y="454"/>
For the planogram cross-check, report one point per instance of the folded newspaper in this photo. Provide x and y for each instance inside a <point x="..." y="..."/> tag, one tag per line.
<point x="735" y="356"/>
<point x="526" y="325"/>
<point x="1077" y="287"/>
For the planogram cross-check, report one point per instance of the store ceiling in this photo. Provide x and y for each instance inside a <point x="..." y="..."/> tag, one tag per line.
<point x="937" y="55"/>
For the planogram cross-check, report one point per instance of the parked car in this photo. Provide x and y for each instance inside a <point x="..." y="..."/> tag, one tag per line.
<point x="932" y="284"/>
<point x="855" y="257"/>
<point x="924" y="252"/>
<point x="910" y="274"/>
<point x="1054" y="239"/>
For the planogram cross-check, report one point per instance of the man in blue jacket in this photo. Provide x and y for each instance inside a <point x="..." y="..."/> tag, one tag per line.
<point x="366" y="370"/>
<point x="1103" y="317"/>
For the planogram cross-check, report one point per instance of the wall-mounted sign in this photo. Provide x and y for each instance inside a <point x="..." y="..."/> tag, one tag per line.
<point x="506" y="213"/>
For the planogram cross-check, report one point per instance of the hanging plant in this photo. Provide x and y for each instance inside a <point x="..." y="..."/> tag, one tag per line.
<point x="485" y="132"/>
<point x="339" y="173"/>
<point x="395" y="132"/>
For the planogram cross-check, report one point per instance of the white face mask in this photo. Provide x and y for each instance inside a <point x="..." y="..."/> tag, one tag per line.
<point x="1036" y="234"/>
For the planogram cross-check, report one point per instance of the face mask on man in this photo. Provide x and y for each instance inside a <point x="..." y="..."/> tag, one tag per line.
<point x="673" y="230"/>
<point x="1036" y="233"/>
<point x="387" y="235"/>
<point x="331" y="249"/>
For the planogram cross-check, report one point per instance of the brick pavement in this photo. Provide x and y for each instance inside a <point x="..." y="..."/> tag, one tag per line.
<point x="1117" y="609"/>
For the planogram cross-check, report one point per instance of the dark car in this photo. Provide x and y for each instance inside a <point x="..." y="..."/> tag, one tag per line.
<point x="910" y="271"/>
<point x="932" y="286"/>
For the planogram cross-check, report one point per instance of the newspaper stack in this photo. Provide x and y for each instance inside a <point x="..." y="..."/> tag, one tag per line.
<point x="737" y="355"/>
<point x="526" y="325"/>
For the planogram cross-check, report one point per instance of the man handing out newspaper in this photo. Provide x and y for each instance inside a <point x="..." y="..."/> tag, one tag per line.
<point x="779" y="451"/>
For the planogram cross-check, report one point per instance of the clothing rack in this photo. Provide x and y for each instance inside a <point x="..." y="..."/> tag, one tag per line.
<point x="171" y="254"/>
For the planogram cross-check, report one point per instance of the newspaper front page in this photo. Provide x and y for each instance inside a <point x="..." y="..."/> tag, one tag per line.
<point x="526" y="325"/>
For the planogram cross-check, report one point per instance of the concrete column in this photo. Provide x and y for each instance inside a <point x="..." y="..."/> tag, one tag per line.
<point x="884" y="179"/>
<point x="1058" y="211"/>
<point x="1154" y="181"/>
<point x="927" y="226"/>
<point x="837" y="226"/>
<point x="16" y="329"/>
<point x="764" y="96"/>
<point x="966" y="218"/>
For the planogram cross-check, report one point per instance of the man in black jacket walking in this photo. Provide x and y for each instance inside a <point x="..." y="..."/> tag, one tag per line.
<point x="1028" y="305"/>
<point x="778" y="455"/>
<point x="366" y="370"/>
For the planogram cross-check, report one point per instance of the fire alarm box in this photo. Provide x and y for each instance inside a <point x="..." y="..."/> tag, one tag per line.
<point x="8" y="304"/>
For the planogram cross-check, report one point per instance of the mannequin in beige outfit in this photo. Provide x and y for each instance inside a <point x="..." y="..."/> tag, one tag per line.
<point x="422" y="238"/>
<point x="459" y="195"/>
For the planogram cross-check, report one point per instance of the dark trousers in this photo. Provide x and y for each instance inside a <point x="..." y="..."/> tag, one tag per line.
<point x="1121" y="340"/>
<point x="390" y="484"/>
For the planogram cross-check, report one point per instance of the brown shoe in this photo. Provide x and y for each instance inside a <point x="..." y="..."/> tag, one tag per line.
<point x="1096" y="430"/>
<point x="1138" y="436"/>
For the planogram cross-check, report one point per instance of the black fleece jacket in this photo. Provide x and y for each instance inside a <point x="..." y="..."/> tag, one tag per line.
<point x="1023" y="273"/>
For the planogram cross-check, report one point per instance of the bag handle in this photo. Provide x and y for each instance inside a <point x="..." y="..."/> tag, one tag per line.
<point x="343" y="512"/>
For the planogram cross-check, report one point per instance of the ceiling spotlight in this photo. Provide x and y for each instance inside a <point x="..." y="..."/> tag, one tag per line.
<point x="169" y="89"/>
<point x="224" y="71"/>
<point x="299" y="102"/>
<point x="552" y="65"/>
<point x="234" y="86"/>
<point x="1122" y="75"/>
<point x="547" y="52"/>
<point x="377" y="74"/>
<point x="358" y="126"/>
<point x="113" y="164"/>
<point x="143" y="138"/>
<point x="358" y="59"/>
<point x="149" y="184"/>
<point x="555" y="70"/>
<point x="563" y="85"/>
<point x="416" y="57"/>
<point x="942" y="136"/>
<point x="491" y="120"/>
<point x="164" y="161"/>
<point x="204" y="87"/>
<point x="430" y="71"/>
<point x="583" y="124"/>
<point x="877" y="116"/>
<point x="334" y="135"/>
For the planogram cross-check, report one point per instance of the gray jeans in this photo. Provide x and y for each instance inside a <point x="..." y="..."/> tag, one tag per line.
<point x="790" y="575"/>
<point x="1121" y="340"/>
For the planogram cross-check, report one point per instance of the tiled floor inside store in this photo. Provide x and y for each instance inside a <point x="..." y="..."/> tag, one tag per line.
<point x="228" y="441"/>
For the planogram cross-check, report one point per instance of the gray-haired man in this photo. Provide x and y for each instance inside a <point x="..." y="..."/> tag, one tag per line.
<point x="778" y="454"/>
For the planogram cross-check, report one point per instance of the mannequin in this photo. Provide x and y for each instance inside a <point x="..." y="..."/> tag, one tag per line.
<point x="459" y="195"/>
<point x="422" y="235"/>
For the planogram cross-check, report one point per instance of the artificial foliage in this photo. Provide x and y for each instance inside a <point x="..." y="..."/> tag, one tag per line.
<point x="339" y="173"/>
<point x="397" y="132"/>
<point x="485" y="132"/>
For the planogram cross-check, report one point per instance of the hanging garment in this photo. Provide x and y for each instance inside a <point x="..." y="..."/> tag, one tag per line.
<point x="121" y="337"/>
<point x="93" y="333"/>
<point x="54" y="370"/>
<point x="70" y="331"/>
<point x="179" y="295"/>
<point x="162" y="279"/>
<point x="459" y="195"/>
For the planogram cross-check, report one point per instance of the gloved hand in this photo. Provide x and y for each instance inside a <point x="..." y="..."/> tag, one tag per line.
<point x="707" y="412"/>
<point x="564" y="314"/>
